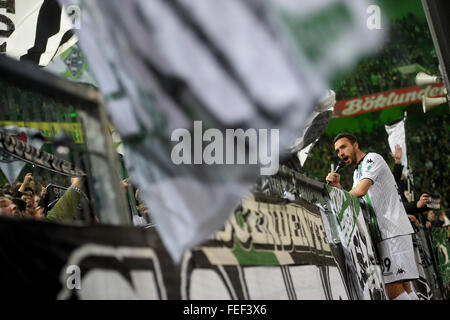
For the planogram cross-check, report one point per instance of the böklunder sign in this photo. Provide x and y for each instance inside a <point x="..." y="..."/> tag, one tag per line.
<point x="387" y="99"/>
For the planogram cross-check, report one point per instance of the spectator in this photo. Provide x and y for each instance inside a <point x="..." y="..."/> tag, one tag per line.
<point x="39" y="213"/>
<point x="139" y="219"/>
<point x="21" y="208"/>
<point x="432" y="220"/>
<point x="8" y="189"/>
<point x="8" y="208"/>
<point x="26" y="186"/>
<point x="36" y="200"/>
<point x="412" y="207"/>
<point x="28" y="198"/>
<point x="443" y="221"/>
<point x="65" y="208"/>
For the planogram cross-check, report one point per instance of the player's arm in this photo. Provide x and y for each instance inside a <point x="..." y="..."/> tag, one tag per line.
<point x="361" y="188"/>
<point x="334" y="179"/>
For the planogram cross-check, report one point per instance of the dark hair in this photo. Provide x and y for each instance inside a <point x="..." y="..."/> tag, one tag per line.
<point x="347" y="135"/>
<point x="20" y="203"/>
<point x="29" y="189"/>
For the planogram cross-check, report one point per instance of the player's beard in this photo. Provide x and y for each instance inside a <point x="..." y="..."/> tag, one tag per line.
<point x="353" y="158"/>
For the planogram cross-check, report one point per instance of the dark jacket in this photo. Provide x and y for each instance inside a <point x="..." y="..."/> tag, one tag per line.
<point x="410" y="207"/>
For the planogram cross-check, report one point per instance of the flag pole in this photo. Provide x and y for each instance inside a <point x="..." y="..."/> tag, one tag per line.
<point x="410" y="178"/>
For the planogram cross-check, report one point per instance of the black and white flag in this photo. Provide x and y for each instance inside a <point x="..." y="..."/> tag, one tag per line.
<point x="35" y="30"/>
<point x="183" y="79"/>
<point x="315" y="127"/>
<point x="11" y="166"/>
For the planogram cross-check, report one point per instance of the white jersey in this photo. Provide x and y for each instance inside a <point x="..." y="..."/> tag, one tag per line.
<point x="383" y="196"/>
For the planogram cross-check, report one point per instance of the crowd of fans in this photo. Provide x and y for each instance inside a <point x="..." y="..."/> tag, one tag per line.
<point x="30" y="201"/>
<point x="22" y="200"/>
<point x="429" y="156"/>
<point x="409" y="42"/>
<point x="59" y="198"/>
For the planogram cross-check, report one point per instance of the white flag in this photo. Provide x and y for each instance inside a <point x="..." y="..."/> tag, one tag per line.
<point x="396" y="135"/>
<point x="302" y="155"/>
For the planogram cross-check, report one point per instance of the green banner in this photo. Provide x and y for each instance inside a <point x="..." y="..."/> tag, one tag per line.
<point x="441" y="246"/>
<point x="266" y="233"/>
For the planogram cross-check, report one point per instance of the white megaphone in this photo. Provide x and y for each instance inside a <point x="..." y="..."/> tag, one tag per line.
<point x="429" y="103"/>
<point x="423" y="80"/>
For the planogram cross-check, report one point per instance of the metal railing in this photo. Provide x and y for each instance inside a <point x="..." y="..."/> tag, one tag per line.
<point x="74" y="126"/>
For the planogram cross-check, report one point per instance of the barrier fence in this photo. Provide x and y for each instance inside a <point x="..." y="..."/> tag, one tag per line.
<point x="57" y="129"/>
<point x="431" y="245"/>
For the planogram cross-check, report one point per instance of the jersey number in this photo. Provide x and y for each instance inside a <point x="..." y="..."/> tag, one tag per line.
<point x="386" y="265"/>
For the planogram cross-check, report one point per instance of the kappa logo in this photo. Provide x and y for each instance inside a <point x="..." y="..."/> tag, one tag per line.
<point x="400" y="271"/>
<point x="370" y="161"/>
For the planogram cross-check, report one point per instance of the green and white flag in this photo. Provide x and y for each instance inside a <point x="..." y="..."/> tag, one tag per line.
<point x="347" y="221"/>
<point x="72" y="65"/>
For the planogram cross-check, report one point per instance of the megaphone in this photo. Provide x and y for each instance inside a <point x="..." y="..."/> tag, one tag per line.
<point x="429" y="103"/>
<point x="423" y="80"/>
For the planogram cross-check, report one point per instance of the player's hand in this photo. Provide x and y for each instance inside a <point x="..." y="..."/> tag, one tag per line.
<point x="334" y="179"/>
<point x="397" y="155"/>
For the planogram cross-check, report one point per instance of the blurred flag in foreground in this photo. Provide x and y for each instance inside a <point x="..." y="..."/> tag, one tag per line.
<point x="207" y="95"/>
<point x="72" y="65"/>
<point x="36" y="30"/>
